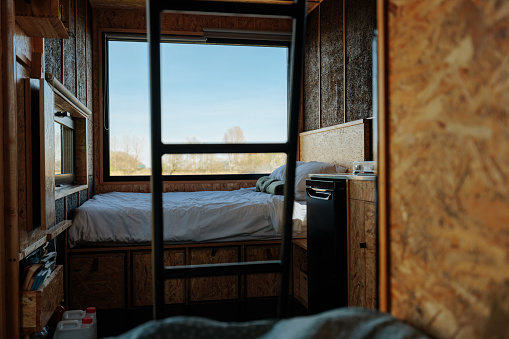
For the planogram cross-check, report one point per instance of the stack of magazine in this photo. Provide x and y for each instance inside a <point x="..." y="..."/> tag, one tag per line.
<point x="36" y="273"/>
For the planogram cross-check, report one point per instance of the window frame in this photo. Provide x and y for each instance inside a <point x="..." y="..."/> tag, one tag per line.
<point x="112" y="36"/>
<point x="66" y="178"/>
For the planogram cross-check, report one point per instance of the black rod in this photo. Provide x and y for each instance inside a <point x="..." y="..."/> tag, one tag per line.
<point x="156" y="183"/>
<point x="279" y="9"/>
<point x="295" y="66"/>
<point x="193" y="271"/>
<point x="223" y="148"/>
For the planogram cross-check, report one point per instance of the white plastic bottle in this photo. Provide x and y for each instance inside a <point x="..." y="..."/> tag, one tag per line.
<point x="75" y="329"/>
<point x="91" y="312"/>
<point x="73" y="315"/>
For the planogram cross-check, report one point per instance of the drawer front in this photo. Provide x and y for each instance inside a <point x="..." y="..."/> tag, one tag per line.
<point x="213" y="288"/>
<point x="142" y="278"/>
<point x="262" y="285"/>
<point x="362" y="190"/>
<point x="97" y="280"/>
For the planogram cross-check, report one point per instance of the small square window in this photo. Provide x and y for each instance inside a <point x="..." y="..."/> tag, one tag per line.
<point x="64" y="150"/>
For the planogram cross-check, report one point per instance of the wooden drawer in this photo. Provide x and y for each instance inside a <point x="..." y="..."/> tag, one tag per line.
<point x="362" y="190"/>
<point x="300" y="277"/>
<point x="38" y="306"/>
<point x="97" y="280"/>
<point x="142" y="278"/>
<point x="213" y="288"/>
<point x="262" y="285"/>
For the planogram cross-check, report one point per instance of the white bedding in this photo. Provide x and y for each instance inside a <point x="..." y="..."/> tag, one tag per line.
<point x="210" y="216"/>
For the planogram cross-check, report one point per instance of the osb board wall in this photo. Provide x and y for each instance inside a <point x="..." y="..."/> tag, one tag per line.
<point x="338" y="36"/>
<point x="71" y="67"/>
<point x="449" y="166"/>
<point x="360" y="22"/>
<point x="70" y="62"/>
<point x="340" y="145"/>
<point x="108" y="20"/>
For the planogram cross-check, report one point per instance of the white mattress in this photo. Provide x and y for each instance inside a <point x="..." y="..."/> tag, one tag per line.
<point x="211" y="216"/>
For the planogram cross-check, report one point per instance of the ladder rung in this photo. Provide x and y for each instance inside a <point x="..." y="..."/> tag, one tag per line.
<point x="193" y="271"/>
<point x="281" y="9"/>
<point x="223" y="148"/>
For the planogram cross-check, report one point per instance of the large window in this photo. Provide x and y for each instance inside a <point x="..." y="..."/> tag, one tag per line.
<point x="211" y="93"/>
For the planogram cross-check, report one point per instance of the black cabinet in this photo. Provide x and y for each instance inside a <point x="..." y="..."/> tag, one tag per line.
<point x="327" y="244"/>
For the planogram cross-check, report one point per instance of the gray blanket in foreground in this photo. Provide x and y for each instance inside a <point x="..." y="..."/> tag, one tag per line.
<point x="351" y="323"/>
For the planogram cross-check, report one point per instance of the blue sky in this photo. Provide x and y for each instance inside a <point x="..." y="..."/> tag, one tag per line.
<point x="206" y="89"/>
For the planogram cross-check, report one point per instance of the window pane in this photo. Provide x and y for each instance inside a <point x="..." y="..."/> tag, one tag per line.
<point x="210" y="94"/>
<point x="58" y="148"/>
<point x="235" y="163"/>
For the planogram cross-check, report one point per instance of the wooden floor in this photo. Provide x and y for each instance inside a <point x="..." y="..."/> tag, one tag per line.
<point x="116" y="322"/>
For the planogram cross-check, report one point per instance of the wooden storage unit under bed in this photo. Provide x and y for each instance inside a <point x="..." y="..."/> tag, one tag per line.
<point x="121" y="277"/>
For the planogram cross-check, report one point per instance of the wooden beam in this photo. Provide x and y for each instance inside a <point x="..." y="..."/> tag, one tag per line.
<point x="2" y="231"/>
<point x="384" y="277"/>
<point x="10" y="175"/>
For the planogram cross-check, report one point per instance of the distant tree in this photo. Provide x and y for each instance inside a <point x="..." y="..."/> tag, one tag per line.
<point x="235" y="135"/>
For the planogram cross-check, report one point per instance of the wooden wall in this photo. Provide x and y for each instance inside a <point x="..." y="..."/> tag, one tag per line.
<point x="448" y="158"/>
<point x="110" y="20"/>
<point x="337" y="75"/>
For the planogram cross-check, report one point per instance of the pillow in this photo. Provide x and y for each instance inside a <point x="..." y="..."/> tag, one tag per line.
<point x="280" y="172"/>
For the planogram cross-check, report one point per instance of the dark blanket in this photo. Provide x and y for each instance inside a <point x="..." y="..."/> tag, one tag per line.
<point x="350" y="323"/>
<point x="270" y="185"/>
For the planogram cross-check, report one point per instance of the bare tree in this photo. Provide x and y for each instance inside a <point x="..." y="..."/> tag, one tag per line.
<point x="234" y="135"/>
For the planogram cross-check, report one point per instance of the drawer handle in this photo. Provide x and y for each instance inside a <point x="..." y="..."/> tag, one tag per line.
<point x="363" y="245"/>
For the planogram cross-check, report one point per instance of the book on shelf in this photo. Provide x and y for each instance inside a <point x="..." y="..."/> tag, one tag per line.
<point x="39" y="279"/>
<point x="30" y="276"/>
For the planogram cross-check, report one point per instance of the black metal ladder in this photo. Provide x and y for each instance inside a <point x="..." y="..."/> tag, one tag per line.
<point x="294" y="10"/>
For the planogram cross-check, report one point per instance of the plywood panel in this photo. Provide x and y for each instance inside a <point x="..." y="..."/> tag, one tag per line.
<point x="357" y="256"/>
<point x="448" y="166"/>
<point x="362" y="190"/>
<point x="81" y="55"/>
<point x="342" y="144"/>
<point x="332" y="63"/>
<point x="142" y="278"/>
<point x="371" y="255"/>
<point x="47" y="157"/>
<point x="97" y="280"/>
<point x="69" y="58"/>
<point x="262" y="285"/>
<point x="53" y="57"/>
<point x="360" y="21"/>
<point x="213" y="288"/>
<point x="312" y="73"/>
<point x="88" y="46"/>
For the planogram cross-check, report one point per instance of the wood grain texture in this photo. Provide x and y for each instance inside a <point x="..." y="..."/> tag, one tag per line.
<point x="174" y="292"/>
<point x="81" y="55"/>
<point x="213" y="288"/>
<point x="360" y="21"/>
<point x="311" y="93"/>
<point x="47" y="156"/>
<point x="370" y="235"/>
<point x="97" y="280"/>
<point x="342" y="144"/>
<point x="362" y="190"/>
<point x="38" y="306"/>
<point x="3" y="258"/>
<point x="174" y="187"/>
<point x="356" y="255"/>
<point x="449" y="166"/>
<point x="53" y="57"/>
<point x="262" y="285"/>
<point x="69" y="58"/>
<point x="300" y="278"/>
<point x="332" y="63"/>
<point x="80" y="151"/>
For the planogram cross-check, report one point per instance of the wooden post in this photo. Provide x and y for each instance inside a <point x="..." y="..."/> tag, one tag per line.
<point x="37" y="71"/>
<point x="11" y="310"/>
<point x="2" y="232"/>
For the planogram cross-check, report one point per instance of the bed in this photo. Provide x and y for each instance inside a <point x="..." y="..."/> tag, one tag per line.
<point x="120" y="218"/>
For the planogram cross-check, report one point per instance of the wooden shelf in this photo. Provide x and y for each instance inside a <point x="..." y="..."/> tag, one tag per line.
<point x="38" y="306"/>
<point x="43" y="18"/>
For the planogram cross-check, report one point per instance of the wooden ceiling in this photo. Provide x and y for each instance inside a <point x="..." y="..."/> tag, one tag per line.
<point x="140" y="4"/>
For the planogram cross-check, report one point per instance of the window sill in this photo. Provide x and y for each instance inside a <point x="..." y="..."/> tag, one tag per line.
<point x="66" y="190"/>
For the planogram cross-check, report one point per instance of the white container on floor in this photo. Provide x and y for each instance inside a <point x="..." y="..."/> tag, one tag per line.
<point x="73" y="315"/>
<point x="75" y="329"/>
<point x="91" y="312"/>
